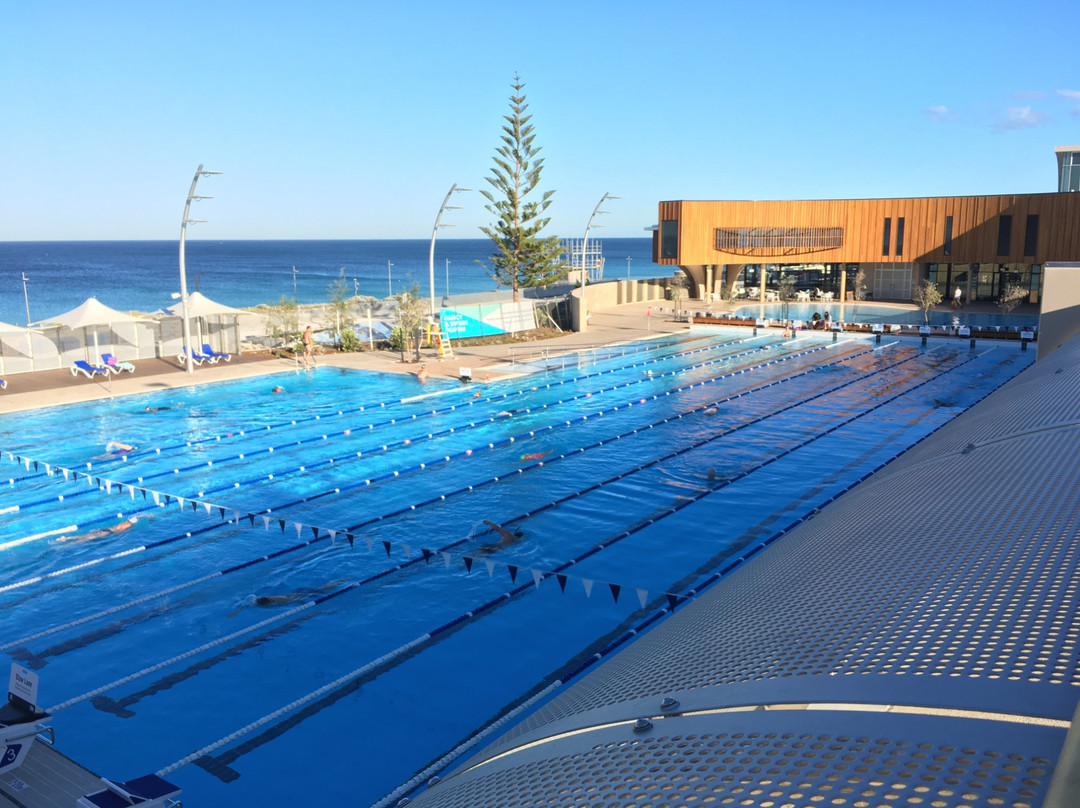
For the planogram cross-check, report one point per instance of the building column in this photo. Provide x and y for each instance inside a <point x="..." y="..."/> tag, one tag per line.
<point x="707" y="294"/>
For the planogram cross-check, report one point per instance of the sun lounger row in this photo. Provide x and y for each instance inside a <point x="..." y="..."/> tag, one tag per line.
<point x="109" y="365"/>
<point x="207" y="354"/>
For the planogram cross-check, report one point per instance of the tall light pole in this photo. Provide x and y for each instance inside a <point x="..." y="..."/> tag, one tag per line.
<point x="26" y="298"/>
<point x="447" y="292"/>
<point x="431" y="253"/>
<point x="389" y="281"/>
<point x="628" y="260"/>
<point x="294" y="297"/>
<point x="199" y="172"/>
<point x="584" y="248"/>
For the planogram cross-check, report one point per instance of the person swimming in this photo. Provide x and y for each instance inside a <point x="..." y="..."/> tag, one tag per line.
<point x="156" y="409"/>
<point x="422" y="374"/>
<point x="298" y="596"/>
<point x="535" y="455"/>
<point x="102" y="531"/>
<point x="505" y="536"/>
<point x="116" y="447"/>
<point x="278" y="389"/>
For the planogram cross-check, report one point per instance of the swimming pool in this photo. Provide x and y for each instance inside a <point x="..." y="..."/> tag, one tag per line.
<point x="870" y="313"/>
<point x="396" y="627"/>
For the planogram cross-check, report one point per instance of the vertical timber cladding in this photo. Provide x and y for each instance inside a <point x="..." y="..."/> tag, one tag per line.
<point x="974" y="234"/>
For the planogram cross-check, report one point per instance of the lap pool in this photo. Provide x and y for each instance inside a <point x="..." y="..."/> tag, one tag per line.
<point x="310" y="607"/>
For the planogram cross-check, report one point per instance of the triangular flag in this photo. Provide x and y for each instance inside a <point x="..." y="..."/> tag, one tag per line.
<point x="314" y="532"/>
<point x="266" y="522"/>
<point x="490" y="567"/>
<point x="642" y="596"/>
<point x="157" y="498"/>
<point x="282" y="523"/>
<point x="537" y="576"/>
<point x="446" y="559"/>
<point x="585" y="582"/>
<point x="131" y="490"/>
<point x="221" y="511"/>
<point x="468" y="564"/>
<point x="251" y="519"/>
<point x="367" y="541"/>
<point x="562" y="581"/>
<point x="194" y="506"/>
<point x="168" y="500"/>
<point x="333" y="535"/>
<point x="350" y="537"/>
<point x="180" y="502"/>
<point x="235" y="516"/>
<point x="407" y="549"/>
<point x="386" y="545"/>
<point x="66" y="472"/>
<point x="48" y="470"/>
<point x="512" y="569"/>
<point x="615" y="588"/>
<point x="298" y="527"/>
<point x="143" y="492"/>
<point x="672" y="600"/>
<point x="427" y="554"/>
<point x="35" y="465"/>
<point x="206" y="507"/>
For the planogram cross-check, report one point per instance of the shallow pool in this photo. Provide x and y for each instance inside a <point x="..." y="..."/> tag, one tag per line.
<point x="870" y="313"/>
<point x="310" y="608"/>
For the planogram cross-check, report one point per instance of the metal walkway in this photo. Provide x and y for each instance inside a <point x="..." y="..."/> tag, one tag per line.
<point x="915" y="643"/>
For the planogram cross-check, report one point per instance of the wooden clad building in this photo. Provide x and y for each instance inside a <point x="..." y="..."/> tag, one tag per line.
<point x="979" y="243"/>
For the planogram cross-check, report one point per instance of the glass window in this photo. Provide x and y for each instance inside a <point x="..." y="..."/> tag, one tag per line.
<point x="900" y="236"/>
<point x="887" y="237"/>
<point x="1031" y="234"/>
<point x="948" y="235"/>
<point x="669" y="239"/>
<point x="1004" y="234"/>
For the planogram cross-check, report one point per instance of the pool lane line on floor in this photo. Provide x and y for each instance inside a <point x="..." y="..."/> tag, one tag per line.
<point x="108" y="483"/>
<point x="538" y="575"/>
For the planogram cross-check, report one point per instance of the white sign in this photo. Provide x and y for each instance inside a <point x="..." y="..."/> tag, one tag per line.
<point x="878" y="328"/>
<point x="924" y="330"/>
<point x="23" y="683"/>
<point x="1027" y="335"/>
<point x="964" y="331"/>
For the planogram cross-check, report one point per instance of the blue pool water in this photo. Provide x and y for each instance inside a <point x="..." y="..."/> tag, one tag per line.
<point x="399" y="626"/>
<point x="870" y="313"/>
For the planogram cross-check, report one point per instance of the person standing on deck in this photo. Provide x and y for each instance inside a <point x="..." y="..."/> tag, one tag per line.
<point x="309" y="357"/>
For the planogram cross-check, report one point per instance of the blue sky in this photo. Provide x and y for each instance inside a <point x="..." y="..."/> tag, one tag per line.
<point x="353" y="119"/>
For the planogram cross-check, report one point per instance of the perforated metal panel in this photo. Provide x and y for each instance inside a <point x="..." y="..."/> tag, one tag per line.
<point x="947" y="580"/>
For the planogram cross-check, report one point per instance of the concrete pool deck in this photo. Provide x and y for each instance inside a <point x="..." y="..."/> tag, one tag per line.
<point x="634" y="321"/>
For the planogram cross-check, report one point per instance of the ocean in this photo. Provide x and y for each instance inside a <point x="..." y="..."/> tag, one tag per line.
<point x="142" y="275"/>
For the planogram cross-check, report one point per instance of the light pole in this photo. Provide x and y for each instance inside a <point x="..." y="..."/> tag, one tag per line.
<point x="431" y="252"/>
<point x="584" y="247"/>
<point x="628" y="260"/>
<point x="389" y="281"/>
<point x="29" y="336"/>
<point x="199" y="172"/>
<point x="296" y="300"/>
<point x="447" y="292"/>
<point x="26" y="298"/>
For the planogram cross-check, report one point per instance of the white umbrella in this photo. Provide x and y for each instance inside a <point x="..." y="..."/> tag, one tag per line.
<point x="92" y="314"/>
<point x="6" y="330"/>
<point x="200" y="307"/>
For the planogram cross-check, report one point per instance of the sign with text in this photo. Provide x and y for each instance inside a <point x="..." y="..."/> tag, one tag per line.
<point x="487" y="319"/>
<point x="23" y="683"/>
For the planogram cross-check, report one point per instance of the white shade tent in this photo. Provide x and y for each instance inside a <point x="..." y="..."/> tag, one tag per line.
<point x="199" y="308"/>
<point x="92" y="314"/>
<point x="10" y="333"/>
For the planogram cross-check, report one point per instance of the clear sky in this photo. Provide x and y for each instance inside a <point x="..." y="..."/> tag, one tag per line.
<point x="353" y="119"/>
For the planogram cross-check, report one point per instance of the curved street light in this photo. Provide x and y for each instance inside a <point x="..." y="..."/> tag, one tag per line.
<point x="199" y="172"/>
<point x="431" y="252"/>
<point x="584" y="246"/>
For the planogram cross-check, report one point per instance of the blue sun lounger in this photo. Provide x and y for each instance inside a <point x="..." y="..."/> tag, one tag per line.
<point x="88" y="370"/>
<point x="206" y="349"/>
<point x="196" y="357"/>
<point x="3" y="384"/>
<point x="116" y="366"/>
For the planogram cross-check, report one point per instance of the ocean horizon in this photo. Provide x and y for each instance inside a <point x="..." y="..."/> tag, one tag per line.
<point x="142" y="275"/>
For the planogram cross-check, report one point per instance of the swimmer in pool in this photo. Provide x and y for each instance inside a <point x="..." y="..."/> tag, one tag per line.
<point x="101" y="532"/>
<point x="156" y="409"/>
<point x="710" y="411"/>
<point x="505" y="536"/>
<point x="422" y="374"/>
<point x="277" y="389"/>
<point x="299" y="596"/>
<point x="535" y="455"/>
<point x="116" y="447"/>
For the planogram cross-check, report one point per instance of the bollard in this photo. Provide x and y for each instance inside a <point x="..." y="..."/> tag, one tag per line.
<point x="834" y="333"/>
<point x="755" y="331"/>
<point x="877" y="337"/>
<point x="924" y="340"/>
<point x="973" y="343"/>
<point x="1023" y="344"/>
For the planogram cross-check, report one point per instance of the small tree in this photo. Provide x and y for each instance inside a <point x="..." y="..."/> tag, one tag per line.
<point x="338" y="304"/>
<point x="283" y="320"/>
<point x="1012" y="297"/>
<point x="926" y="297"/>
<point x="678" y="292"/>
<point x="410" y="319"/>
<point x="858" y="289"/>
<point x="522" y="258"/>
<point x="786" y="292"/>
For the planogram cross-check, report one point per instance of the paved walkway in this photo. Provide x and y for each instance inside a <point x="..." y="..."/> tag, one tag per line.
<point x="28" y="391"/>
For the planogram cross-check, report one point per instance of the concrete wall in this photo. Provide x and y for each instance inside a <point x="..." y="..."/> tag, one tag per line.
<point x="608" y="294"/>
<point x="1059" y="320"/>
